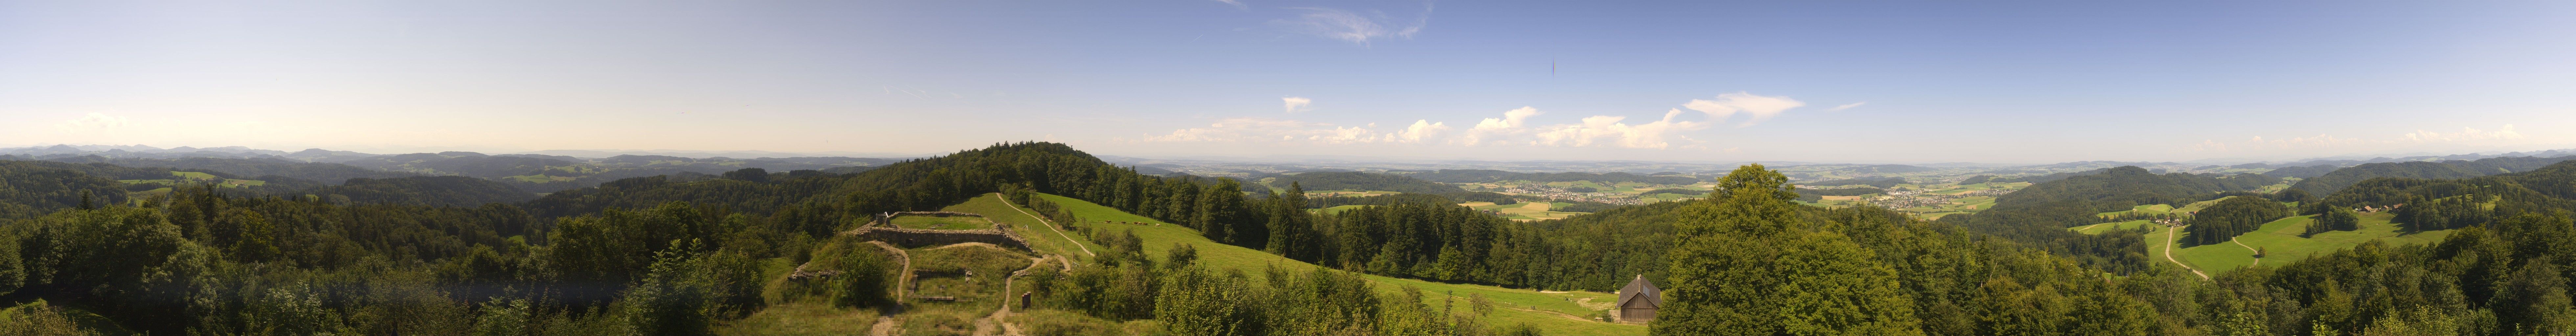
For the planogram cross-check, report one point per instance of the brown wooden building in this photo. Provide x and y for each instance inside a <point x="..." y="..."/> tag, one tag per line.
<point x="1638" y="301"/>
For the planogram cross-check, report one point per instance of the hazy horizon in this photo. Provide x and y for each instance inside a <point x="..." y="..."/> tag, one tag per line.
<point x="1697" y="82"/>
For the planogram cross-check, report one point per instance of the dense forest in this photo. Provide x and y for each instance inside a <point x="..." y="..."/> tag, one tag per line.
<point x="2039" y="214"/>
<point x="2231" y="217"/>
<point x="676" y="254"/>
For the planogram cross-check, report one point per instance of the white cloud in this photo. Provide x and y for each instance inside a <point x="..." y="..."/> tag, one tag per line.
<point x="1508" y="125"/>
<point x="1297" y="104"/>
<point x="1421" y="130"/>
<point x="2259" y="143"/>
<point x="1351" y="26"/>
<point x="1757" y="107"/>
<point x="1847" y="106"/>
<point x="1237" y="4"/>
<point x="93" y="121"/>
<point x="2465" y="133"/>
<point x="1513" y="128"/>
<point x="1609" y="131"/>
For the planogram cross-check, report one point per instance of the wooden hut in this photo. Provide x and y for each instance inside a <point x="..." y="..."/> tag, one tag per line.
<point x="1637" y="301"/>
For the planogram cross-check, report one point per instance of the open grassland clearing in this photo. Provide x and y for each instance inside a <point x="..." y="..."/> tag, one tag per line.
<point x="1550" y="313"/>
<point x="942" y="222"/>
<point x="1023" y="223"/>
<point x="1347" y="193"/>
<point x="1338" y="209"/>
<point x="1526" y="211"/>
<point x="2151" y="209"/>
<point x="2196" y="206"/>
<point x="2282" y="243"/>
<point x="2108" y="227"/>
<point x="541" y="178"/>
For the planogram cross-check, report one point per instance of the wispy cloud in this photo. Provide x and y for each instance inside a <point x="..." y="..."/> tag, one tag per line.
<point x="1297" y="104"/>
<point x="1756" y="107"/>
<point x="1237" y="4"/>
<point x="2259" y="143"/>
<point x="1267" y="130"/>
<point x="1235" y="130"/>
<point x="1847" y="106"/>
<point x="93" y="121"/>
<point x="1514" y="127"/>
<point x="2322" y="141"/>
<point x="1356" y="27"/>
<point x="2465" y="133"/>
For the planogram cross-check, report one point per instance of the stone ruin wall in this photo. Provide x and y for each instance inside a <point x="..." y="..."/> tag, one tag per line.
<point x="999" y="235"/>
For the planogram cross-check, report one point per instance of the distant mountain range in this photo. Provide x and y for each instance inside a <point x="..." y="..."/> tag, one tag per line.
<point x="538" y="172"/>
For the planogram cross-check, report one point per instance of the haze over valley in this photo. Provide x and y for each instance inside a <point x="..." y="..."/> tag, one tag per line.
<point x="1279" y="167"/>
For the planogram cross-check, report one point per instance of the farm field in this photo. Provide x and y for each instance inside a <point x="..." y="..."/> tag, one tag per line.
<point x="1524" y="211"/>
<point x="1929" y="201"/>
<point x="1556" y="313"/>
<point x="1613" y="193"/>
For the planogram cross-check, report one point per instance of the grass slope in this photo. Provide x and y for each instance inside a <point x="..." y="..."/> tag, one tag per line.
<point x="2281" y="239"/>
<point x="1550" y="314"/>
<point x="2107" y="227"/>
<point x="1041" y="238"/>
<point x="942" y="223"/>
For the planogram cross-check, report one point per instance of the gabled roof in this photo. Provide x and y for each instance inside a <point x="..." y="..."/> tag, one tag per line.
<point x="1640" y="294"/>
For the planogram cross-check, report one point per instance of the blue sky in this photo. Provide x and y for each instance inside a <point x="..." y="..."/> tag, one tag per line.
<point x="1682" y="81"/>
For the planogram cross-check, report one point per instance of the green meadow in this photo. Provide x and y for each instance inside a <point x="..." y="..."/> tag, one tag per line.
<point x="1553" y="313"/>
<point x="2280" y="240"/>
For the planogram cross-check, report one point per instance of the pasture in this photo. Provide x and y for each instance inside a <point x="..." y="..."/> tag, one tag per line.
<point x="2282" y="241"/>
<point x="942" y="222"/>
<point x="1552" y="313"/>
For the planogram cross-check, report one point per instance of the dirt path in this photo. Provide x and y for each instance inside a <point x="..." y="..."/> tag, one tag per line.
<point x="1050" y="225"/>
<point x="901" y="280"/>
<point x="986" y="325"/>
<point x="2258" y="254"/>
<point x="1557" y="313"/>
<point x="2169" y="244"/>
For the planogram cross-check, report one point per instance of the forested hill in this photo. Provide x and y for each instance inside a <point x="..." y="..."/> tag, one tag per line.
<point x="1361" y="181"/>
<point x="2039" y="214"/>
<point x="458" y="191"/>
<point x="2122" y="187"/>
<point x="2333" y="182"/>
<point x="551" y="173"/>
<point x="330" y="173"/>
<point x="29" y="188"/>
